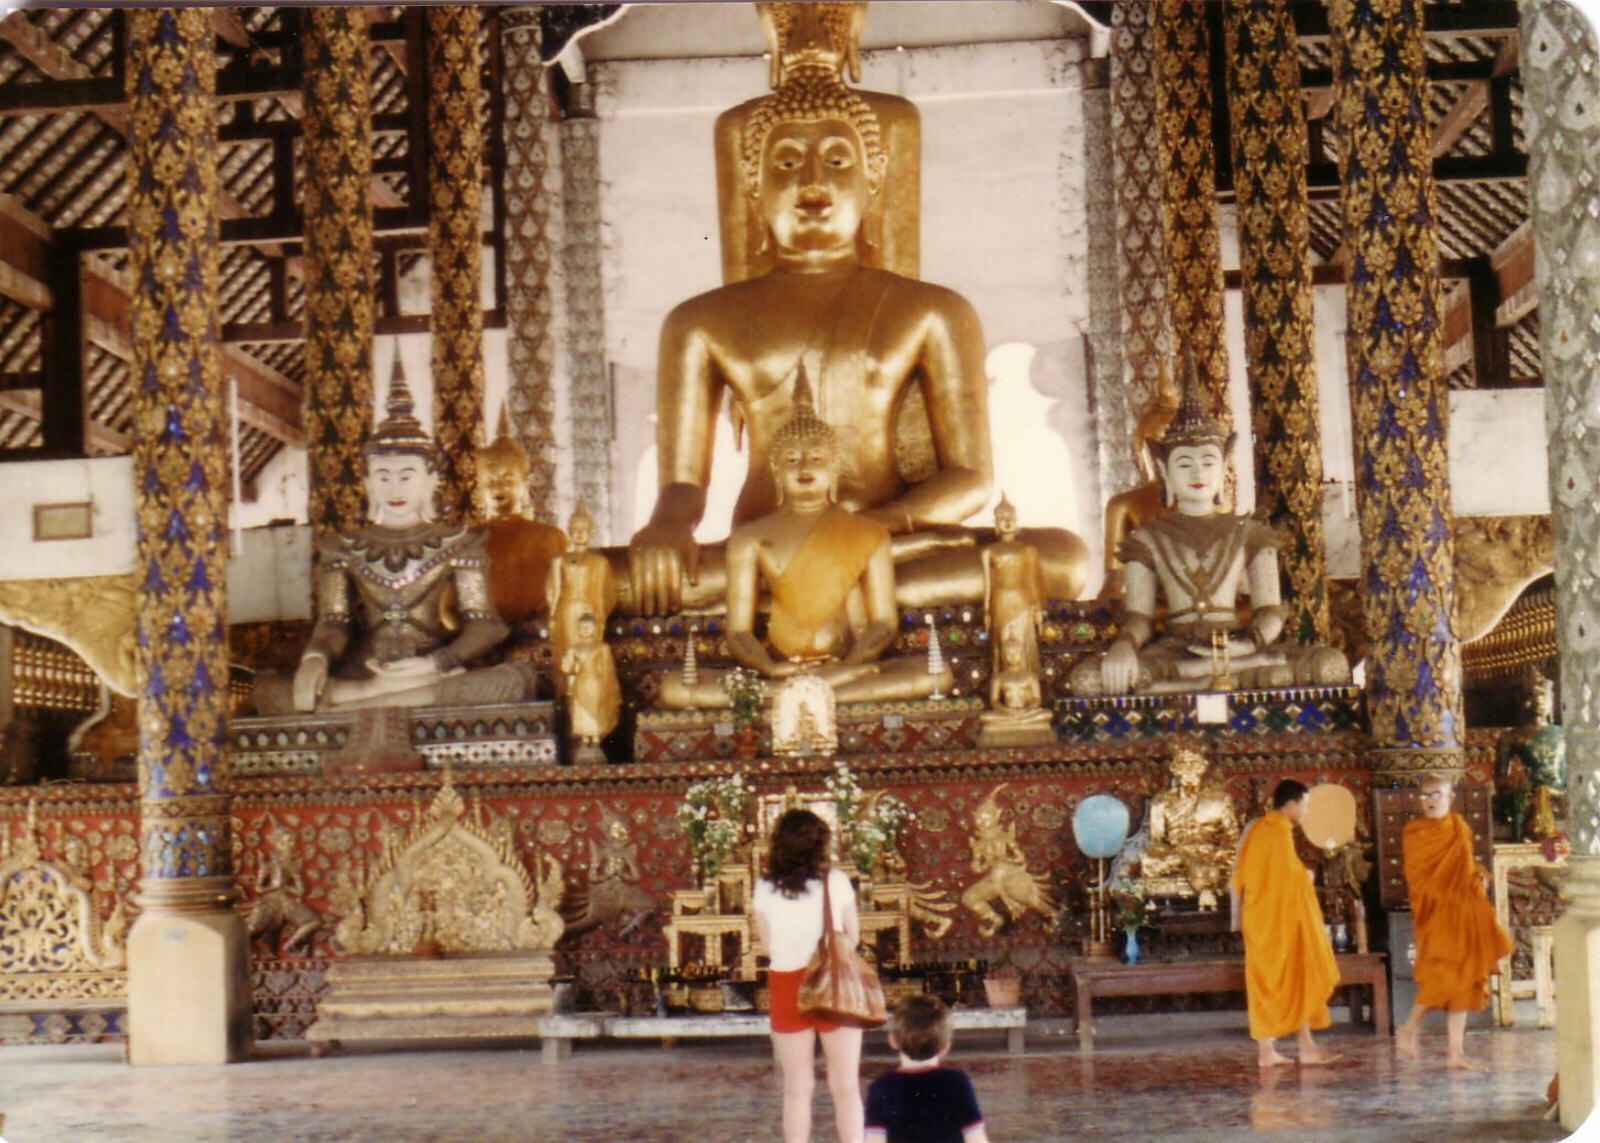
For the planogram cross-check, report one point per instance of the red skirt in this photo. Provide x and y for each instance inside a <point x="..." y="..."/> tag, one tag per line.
<point x="783" y="992"/>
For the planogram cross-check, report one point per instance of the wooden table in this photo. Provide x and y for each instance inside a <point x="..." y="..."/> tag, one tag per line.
<point x="1218" y="974"/>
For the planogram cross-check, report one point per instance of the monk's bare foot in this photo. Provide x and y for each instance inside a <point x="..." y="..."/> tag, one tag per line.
<point x="1405" y="1042"/>
<point x="1315" y="1057"/>
<point x="1272" y="1058"/>
<point x="1462" y="1064"/>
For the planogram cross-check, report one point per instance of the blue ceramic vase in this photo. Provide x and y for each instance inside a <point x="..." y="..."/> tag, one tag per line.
<point x="1130" y="951"/>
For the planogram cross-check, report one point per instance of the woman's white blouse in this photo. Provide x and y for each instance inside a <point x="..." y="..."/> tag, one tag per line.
<point x="794" y="924"/>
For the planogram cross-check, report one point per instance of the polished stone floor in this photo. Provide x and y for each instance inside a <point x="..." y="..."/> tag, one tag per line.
<point x="1182" y="1077"/>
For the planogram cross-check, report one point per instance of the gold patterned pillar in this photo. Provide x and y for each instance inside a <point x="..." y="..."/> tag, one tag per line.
<point x="1192" y="242"/>
<point x="1561" y="86"/>
<point x="337" y="196"/>
<point x="1268" y="127"/>
<point x="1136" y="169"/>
<point x="533" y="198"/>
<point x="188" y="968"/>
<point x="1398" y="393"/>
<point x="455" y="245"/>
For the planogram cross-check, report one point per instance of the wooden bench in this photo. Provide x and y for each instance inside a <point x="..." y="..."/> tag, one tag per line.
<point x="556" y="1033"/>
<point x="1180" y="977"/>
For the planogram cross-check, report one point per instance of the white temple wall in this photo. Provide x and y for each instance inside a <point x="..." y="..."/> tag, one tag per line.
<point x="106" y="483"/>
<point x="1003" y="223"/>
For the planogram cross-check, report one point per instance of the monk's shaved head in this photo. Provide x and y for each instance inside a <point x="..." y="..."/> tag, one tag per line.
<point x="1437" y="792"/>
<point x="1436" y="782"/>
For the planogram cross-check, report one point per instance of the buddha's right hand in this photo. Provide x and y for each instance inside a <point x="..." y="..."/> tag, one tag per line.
<point x="659" y="556"/>
<point x="309" y="679"/>
<point x="1119" y="668"/>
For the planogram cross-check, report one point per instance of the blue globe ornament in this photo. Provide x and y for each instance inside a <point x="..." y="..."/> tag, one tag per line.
<point x="1100" y="823"/>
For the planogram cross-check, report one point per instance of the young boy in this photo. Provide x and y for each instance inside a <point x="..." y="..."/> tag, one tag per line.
<point x="1459" y="941"/>
<point x="923" y="1101"/>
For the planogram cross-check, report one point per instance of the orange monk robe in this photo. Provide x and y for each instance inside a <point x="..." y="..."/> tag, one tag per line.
<point x="1289" y="970"/>
<point x="817" y="581"/>
<point x="1459" y="941"/>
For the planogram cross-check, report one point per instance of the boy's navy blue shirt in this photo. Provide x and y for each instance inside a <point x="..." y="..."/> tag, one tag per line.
<point x="935" y="1105"/>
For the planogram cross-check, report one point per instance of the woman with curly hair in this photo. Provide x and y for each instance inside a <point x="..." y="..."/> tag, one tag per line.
<point x="788" y="909"/>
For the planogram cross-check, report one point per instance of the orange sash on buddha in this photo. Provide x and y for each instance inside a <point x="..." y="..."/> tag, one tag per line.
<point x="1459" y="941"/>
<point x="1289" y="969"/>
<point x="818" y="579"/>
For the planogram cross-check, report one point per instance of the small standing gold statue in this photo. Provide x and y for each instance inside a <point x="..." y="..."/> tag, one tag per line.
<point x="1004" y="867"/>
<point x="593" y="696"/>
<point x="1194" y="833"/>
<point x="580" y="584"/>
<point x="1013" y="601"/>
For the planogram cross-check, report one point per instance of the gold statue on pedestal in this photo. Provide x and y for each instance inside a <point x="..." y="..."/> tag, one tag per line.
<point x="1013" y="610"/>
<point x="580" y="584"/>
<point x="594" y="698"/>
<point x="1005" y="878"/>
<point x="1199" y="560"/>
<point x="831" y="580"/>
<point x="1194" y="833"/>
<point x="812" y="161"/>
<point x="403" y="604"/>
<point x="520" y="548"/>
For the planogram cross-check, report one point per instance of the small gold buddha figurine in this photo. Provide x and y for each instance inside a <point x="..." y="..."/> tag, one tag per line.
<point x="580" y="584"/>
<point x="1127" y="512"/>
<point x="521" y="549"/>
<point x="593" y="695"/>
<point x="831" y="581"/>
<point x="812" y="160"/>
<point x="389" y="596"/>
<point x="1013" y="592"/>
<point x="1194" y="831"/>
<point x="1016" y="714"/>
<point x="1199" y="561"/>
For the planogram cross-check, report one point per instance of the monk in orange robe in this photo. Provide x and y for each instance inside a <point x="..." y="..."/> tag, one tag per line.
<point x="1459" y="941"/>
<point x="1289" y="970"/>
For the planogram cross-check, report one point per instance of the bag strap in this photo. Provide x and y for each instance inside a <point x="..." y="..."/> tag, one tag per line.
<point x="827" y="913"/>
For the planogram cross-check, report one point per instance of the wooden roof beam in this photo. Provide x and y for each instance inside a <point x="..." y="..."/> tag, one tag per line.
<point x="30" y="404"/>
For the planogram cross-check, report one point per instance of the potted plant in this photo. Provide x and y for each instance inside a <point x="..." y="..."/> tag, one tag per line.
<point x="712" y="816"/>
<point x="747" y="698"/>
<point x="1002" y="987"/>
<point x="1129" y="912"/>
<point x="870" y="825"/>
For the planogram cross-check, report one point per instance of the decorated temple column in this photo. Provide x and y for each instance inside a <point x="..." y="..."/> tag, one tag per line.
<point x="455" y="245"/>
<point x="1136" y="177"/>
<point x="1561" y="78"/>
<point x="337" y="196"/>
<point x="1397" y="389"/>
<point x="533" y="207"/>
<point x="188" y="978"/>
<point x="1268" y="127"/>
<point x="591" y="386"/>
<point x="1192" y="242"/>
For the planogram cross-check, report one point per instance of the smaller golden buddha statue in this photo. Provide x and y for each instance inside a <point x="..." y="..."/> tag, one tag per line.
<point x="1013" y="592"/>
<point x="403" y="604"/>
<point x="580" y="584"/>
<point x="1016" y="714"/>
<point x="521" y="548"/>
<point x="593" y="695"/>
<point x="1199" y="561"/>
<point x="831" y="578"/>
<point x="1194" y="832"/>
<point x="1127" y="512"/>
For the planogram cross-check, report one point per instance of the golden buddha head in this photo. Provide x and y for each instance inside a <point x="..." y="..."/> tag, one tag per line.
<point x="805" y="453"/>
<point x="580" y="528"/>
<point x="503" y="473"/>
<point x="400" y="459"/>
<point x="1005" y="518"/>
<point x="812" y="156"/>
<point x="1187" y="767"/>
<point x="1154" y="419"/>
<point x="1191" y="455"/>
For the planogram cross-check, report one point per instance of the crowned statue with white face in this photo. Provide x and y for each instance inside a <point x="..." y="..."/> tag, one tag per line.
<point x="1199" y="562"/>
<point x="403" y="604"/>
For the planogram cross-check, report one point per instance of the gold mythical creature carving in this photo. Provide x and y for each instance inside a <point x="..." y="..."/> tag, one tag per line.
<point x="53" y="945"/>
<point x="94" y="615"/>
<point x="1496" y="558"/>
<point x="1194" y="832"/>
<point x="1005" y="878"/>
<point x="613" y="893"/>
<point x="455" y="879"/>
<point x="280" y="887"/>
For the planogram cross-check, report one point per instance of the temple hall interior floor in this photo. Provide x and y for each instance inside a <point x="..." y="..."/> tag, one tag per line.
<point x="1187" y="1077"/>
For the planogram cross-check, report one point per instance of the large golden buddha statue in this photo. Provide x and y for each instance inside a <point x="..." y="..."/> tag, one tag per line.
<point x="812" y="162"/>
<point x="521" y="549"/>
<point x="1199" y="560"/>
<point x="403" y="604"/>
<point x="830" y="576"/>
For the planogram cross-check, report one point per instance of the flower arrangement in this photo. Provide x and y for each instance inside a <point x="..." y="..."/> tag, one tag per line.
<point x="747" y="694"/>
<point x="1129" y="906"/>
<point x="712" y="816"/>
<point x="870" y="826"/>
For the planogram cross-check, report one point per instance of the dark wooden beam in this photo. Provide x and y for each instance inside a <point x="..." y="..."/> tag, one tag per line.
<point x="61" y="403"/>
<point x="1451" y="169"/>
<point x="12" y="382"/>
<point x="417" y="183"/>
<point x="1441" y="21"/>
<point x="1217" y="67"/>
<point x="1332" y="273"/>
<point x="268" y="332"/>
<point x="1491" y="345"/>
<point x="497" y="159"/>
